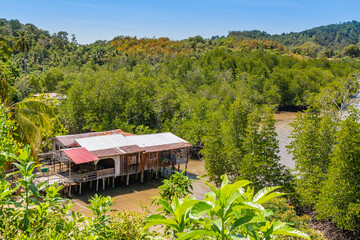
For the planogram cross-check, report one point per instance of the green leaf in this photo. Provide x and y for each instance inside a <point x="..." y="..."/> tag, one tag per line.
<point x="34" y="190"/>
<point x="241" y="221"/>
<point x="200" y="209"/>
<point x="263" y="195"/>
<point x="281" y="228"/>
<point x="195" y="233"/>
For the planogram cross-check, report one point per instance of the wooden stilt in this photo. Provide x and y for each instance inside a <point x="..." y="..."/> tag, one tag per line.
<point x="127" y="179"/>
<point x="142" y="177"/>
<point x="97" y="184"/>
<point x="80" y="189"/>
<point x="108" y="180"/>
<point x="187" y="160"/>
<point x="70" y="190"/>
<point x="104" y="183"/>
<point x="90" y="184"/>
<point x="178" y="167"/>
<point x="156" y="173"/>
<point x="113" y="183"/>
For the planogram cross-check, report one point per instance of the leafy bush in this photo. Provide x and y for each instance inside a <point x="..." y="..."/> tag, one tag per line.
<point x="283" y="211"/>
<point x="230" y="212"/>
<point x="177" y="185"/>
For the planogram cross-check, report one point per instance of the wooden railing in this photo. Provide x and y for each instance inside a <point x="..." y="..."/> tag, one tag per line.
<point x="84" y="177"/>
<point x="109" y="172"/>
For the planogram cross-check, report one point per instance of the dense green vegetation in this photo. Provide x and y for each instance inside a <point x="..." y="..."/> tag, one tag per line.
<point x="219" y="93"/>
<point x="329" y="41"/>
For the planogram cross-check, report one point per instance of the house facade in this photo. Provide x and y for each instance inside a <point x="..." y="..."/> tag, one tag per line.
<point x="111" y="154"/>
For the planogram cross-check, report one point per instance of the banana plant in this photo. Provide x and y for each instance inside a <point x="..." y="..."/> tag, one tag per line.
<point x="229" y="212"/>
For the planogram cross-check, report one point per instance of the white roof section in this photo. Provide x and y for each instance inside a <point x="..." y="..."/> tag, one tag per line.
<point x="118" y="140"/>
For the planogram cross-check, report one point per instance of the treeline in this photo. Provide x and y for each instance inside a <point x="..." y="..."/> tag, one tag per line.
<point x="328" y="41"/>
<point x="142" y="85"/>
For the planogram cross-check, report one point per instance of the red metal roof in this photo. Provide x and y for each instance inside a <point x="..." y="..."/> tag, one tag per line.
<point x="80" y="155"/>
<point x="67" y="140"/>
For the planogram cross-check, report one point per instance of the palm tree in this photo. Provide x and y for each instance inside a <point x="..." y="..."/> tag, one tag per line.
<point x="22" y="44"/>
<point x="29" y="116"/>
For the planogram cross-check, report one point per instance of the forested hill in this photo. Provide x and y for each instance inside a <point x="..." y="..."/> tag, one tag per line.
<point x="159" y="84"/>
<point x="333" y="36"/>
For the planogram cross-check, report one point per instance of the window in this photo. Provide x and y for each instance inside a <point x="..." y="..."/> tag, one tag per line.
<point x="166" y="154"/>
<point x="153" y="156"/>
<point x="132" y="160"/>
<point x="57" y="147"/>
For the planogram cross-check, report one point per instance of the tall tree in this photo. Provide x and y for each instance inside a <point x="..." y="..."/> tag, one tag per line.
<point x="340" y="194"/>
<point x="312" y="142"/>
<point x="22" y="45"/>
<point x="244" y="146"/>
<point x="260" y="163"/>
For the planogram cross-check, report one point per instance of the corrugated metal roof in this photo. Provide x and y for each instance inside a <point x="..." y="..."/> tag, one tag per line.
<point x="117" y="151"/>
<point x="117" y="141"/>
<point x="68" y="140"/>
<point x="80" y="155"/>
<point x="166" y="147"/>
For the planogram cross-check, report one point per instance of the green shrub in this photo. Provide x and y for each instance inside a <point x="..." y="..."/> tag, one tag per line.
<point x="283" y="211"/>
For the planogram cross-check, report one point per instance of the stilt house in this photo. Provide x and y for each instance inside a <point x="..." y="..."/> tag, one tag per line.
<point x="104" y="155"/>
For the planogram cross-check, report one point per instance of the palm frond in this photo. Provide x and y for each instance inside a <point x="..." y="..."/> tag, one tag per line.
<point x="38" y="112"/>
<point x="27" y="131"/>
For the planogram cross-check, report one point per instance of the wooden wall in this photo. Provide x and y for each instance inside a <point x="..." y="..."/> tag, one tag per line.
<point x="138" y="162"/>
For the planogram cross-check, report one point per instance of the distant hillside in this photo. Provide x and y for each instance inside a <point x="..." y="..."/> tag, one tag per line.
<point x="333" y="36"/>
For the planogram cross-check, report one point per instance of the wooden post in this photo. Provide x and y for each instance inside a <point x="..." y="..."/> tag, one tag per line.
<point x="142" y="177"/>
<point x="113" y="183"/>
<point x="70" y="178"/>
<point x="187" y="160"/>
<point x="95" y="169"/>
<point x="80" y="188"/>
<point x="127" y="179"/>
<point x="90" y="184"/>
<point x="97" y="184"/>
<point x="69" y="170"/>
<point x="156" y="173"/>
<point x="104" y="183"/>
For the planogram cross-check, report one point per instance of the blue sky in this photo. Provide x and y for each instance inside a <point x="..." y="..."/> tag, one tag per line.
<point x="93" y="20"/>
